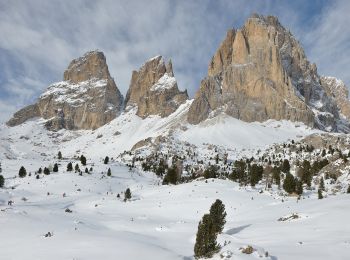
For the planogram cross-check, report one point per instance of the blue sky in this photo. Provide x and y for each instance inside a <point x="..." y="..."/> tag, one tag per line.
<point x="40" y="38"/>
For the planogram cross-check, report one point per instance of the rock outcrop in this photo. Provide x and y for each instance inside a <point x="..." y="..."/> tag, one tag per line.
<point x="87" y="98"/>
<point x="260" y="72"/>
<point x="153" y="89"/>
<point x="340" y="92"/>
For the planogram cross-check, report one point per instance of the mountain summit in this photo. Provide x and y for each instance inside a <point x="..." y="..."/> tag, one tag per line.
<point x="261" y="72"/>
<point x="153" y="89"/>
<point x="87" y="98"/>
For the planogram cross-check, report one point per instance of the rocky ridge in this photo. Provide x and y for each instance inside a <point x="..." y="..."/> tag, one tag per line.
<point x="337" y="89"/>
<point x="153" y="89"/>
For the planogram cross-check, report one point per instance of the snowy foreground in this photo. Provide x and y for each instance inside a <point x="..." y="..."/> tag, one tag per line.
<point x="160" y="222"/>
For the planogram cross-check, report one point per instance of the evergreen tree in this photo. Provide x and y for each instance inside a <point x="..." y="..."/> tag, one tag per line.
<point x="320" y="196"/>
<point x="69" y="167"/>
<point x="306" y="173"/>
<point x="321" y="187"/>
<point x="218" y="214"/>
<point x="76" y="167"/>
<point x="46" y="171"/>
<point x="171" y="176"/>
<point x="55" y="168"/>
<point x="206" y="244"/>
<point x="22" y="172"/>
<point x="86" y="170"/>
<point x="83" y="160"/>
<point x="239" y="171"/>
<point x="2" y="181"/>
<point x="40" y="170"/>
<point x="127" y="194"/>
<point x="210" y="172"/>
<point x="217" y="159"/>
<point x="323" y="153"/>
<point x="348" y="190"/>
<point x="59" y="155"/>
<point x="109" y="173"/>
<point x="289" y="183"/>
<point x="255" y="173"/>
<point x="299" y="187"/>
<point x="106" y="160"/>
<point x="285" y="166"/>
<point x="276" y="175"/>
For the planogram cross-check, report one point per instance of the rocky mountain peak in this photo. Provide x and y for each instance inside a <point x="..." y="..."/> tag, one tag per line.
<point x="87" y="98"/>
<point x="91" y="65"/>
<point x="153" y="89"/>
<point x="261" y="72"/>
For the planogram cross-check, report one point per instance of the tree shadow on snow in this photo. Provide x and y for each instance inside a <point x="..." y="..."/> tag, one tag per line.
<point x="236" y="230"/>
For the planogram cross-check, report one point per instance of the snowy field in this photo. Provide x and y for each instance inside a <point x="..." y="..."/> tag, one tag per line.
<point x="160" y="222"/>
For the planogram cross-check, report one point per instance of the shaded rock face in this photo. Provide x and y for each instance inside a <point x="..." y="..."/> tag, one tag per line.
<point x="260" y="72"/>
<point x="153" y="89"/>
<point x="87" y="98"/>
<point x="340" y="92"/>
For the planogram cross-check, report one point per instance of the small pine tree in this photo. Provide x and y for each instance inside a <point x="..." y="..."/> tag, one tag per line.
<point x="83" y="160"/>
<point x="289" y="183"/>
<point x="46" y="171"/>
<point x="127" y="194"/>
<point x="321" y="187"/>
<point x="256" y="173"/>
<point x="22" y="172"/>
<point x="323" y="153"/>
<point x="210" y="172"/>
<point x="55" y="168"/>
<point x="2" y="181"/>
<point x="171" y="176"/>
<point x="40" y="170"/>
<point x="69" y="167"/>
<point x="276" y="175"/>
<point x="59" y="155"/>
<point x="348" y="190"/>
<point x="285" y="166"/>
<point x="299" y="187"/>
<point x="76" y="168"/>
<point x="109" y="173"/>
<point x="106" y="160"/>
<point x="218" y="214"/>
<point x="86" y="170"/>
<point x="319" y="192"/>
<point x="206" y="244"/>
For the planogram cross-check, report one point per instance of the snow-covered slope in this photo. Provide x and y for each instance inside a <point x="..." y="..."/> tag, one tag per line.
<point x="31" y="139"/>
<point x="160" y="222"/>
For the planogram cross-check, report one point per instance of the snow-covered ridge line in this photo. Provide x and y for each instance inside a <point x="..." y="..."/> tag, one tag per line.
<point x="66" y="91"/>
<point x="164" y="83"/>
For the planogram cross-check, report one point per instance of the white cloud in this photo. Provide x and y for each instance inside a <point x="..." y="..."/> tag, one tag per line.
<point x="328" y="40"/>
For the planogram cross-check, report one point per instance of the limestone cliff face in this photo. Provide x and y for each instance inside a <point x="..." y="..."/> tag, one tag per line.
<point x="260" y="72"/>
<point x="153" y="89"/>
<point x="87" y="98"/>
